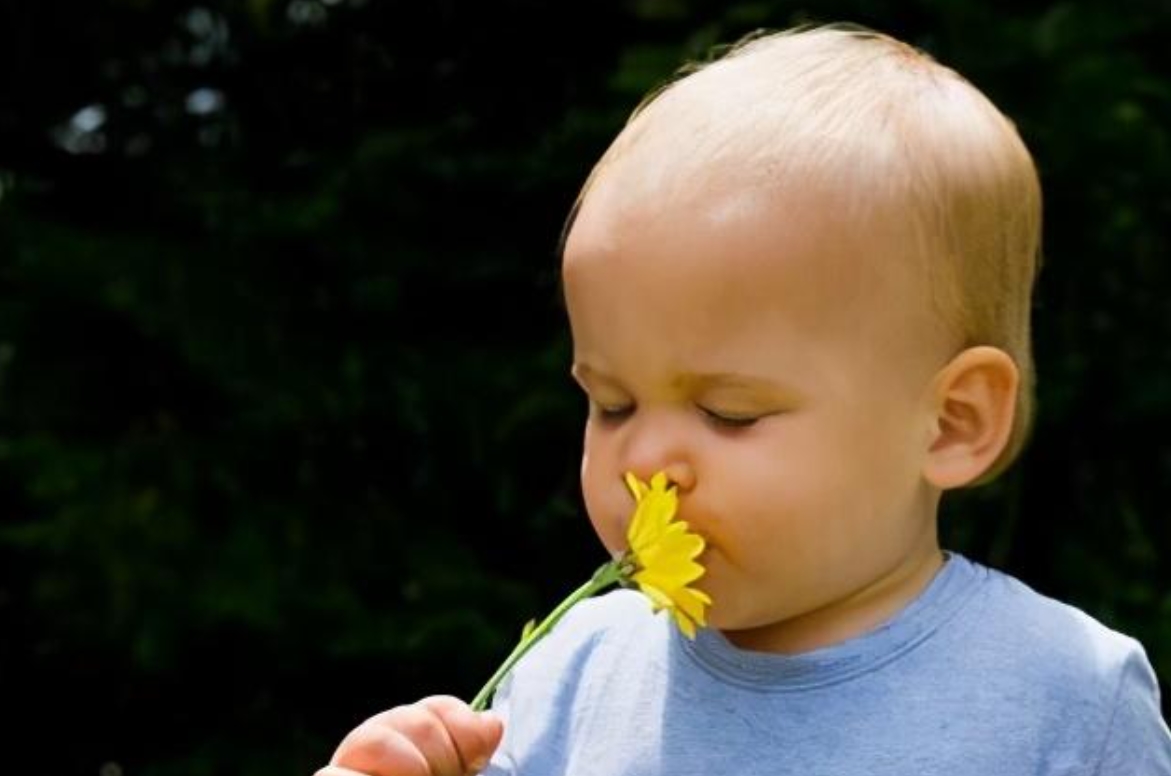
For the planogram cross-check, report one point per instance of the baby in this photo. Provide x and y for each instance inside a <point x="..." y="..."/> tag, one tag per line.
<point x="799" y="284"/>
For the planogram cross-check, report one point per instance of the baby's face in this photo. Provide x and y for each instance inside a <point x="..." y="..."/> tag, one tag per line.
<point x="774" y="362"/>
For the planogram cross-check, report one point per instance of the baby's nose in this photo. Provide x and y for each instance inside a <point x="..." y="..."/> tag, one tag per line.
<point x="679" y="473"/>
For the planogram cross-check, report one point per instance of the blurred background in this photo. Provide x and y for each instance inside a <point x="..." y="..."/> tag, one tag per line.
<point x="286" y="429"/>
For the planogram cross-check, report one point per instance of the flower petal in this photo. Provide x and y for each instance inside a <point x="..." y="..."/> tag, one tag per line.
<point x="684" y="622"/>
<point x="664" y="552"/>
<point x="659" y="599"/>
<point x="636" y="488"/>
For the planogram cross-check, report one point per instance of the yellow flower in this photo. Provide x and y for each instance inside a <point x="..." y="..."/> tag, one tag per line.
<point x="661" y="561"/>
<point x="663" y="552"/>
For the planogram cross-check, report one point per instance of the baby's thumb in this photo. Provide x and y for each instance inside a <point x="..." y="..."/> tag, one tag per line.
<point x="475" y="734"/>
<point x="491" y="730"/>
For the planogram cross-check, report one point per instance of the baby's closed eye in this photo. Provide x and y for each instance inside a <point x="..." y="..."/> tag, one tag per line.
<point x="716" y="415"/>
<point x="612" y="412"/>
<point x="729" y="418"/>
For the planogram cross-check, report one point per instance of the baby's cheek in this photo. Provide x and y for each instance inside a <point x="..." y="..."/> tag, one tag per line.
<point x="609" y="521"/>
<point x="594" y="495"/>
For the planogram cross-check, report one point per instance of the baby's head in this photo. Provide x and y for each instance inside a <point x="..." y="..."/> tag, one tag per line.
<point x="799" y="281"/>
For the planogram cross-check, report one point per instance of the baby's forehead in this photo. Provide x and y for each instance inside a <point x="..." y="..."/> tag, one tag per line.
<point x="743" y="264"/>
<point x="719" y="223"/>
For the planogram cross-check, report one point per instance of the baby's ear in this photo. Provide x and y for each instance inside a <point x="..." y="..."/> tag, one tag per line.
<point x="973" y="403"/>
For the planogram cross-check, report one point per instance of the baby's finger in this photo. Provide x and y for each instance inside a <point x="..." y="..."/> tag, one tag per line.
<point x="334" y="770"/>
<point x="426" y="730"/>
<point x="475" y="735"/>
<point x="378" y="747"/>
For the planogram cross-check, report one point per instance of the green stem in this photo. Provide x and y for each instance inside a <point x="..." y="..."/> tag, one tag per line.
<point x="607" y="575"/>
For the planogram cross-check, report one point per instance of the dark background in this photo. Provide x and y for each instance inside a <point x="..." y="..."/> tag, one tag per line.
<point x="286" y="430"/>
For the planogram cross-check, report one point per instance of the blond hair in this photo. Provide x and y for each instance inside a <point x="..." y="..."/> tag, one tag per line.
<point x="903" y="137"/>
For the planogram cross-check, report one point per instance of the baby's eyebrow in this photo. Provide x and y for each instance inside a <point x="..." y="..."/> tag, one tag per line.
<point x="697" y="380"/>
<point x="580" y="372"/>
<point x="689" y="380"/>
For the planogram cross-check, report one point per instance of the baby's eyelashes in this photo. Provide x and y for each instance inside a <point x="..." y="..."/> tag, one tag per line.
<point x="612" y="413"/>
<point x="728" y="420"/>
<point x="723" y="419"/>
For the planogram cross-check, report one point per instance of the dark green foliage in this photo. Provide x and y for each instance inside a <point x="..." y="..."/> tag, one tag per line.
<point x="286" y="432"/>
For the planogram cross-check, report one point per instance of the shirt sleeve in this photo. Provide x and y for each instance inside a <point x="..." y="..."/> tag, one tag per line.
<point x="1137" y="742"/>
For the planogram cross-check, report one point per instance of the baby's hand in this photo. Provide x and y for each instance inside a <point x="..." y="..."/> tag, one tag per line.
<point x="438" y="736"/>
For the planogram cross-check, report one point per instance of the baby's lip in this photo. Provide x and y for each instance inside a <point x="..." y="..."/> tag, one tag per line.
<point x="691" y="526"/>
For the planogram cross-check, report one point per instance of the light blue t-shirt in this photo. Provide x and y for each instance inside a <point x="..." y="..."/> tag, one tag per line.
<point x="979" y="676"/>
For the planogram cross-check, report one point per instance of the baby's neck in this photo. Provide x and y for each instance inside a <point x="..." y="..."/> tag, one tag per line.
<point x="846" y="618"/>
